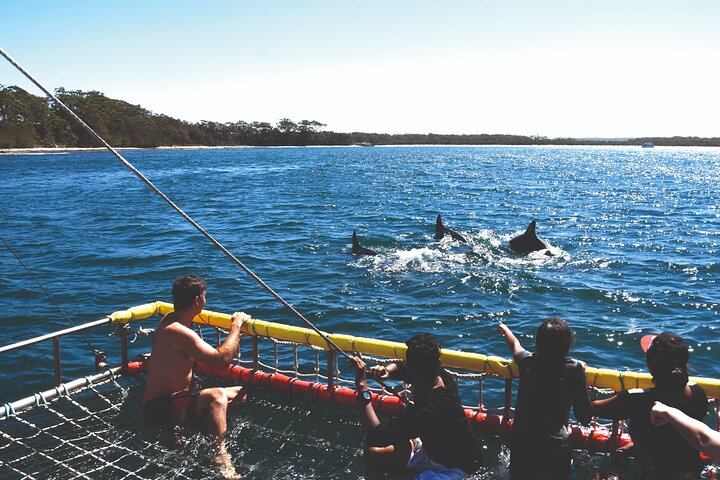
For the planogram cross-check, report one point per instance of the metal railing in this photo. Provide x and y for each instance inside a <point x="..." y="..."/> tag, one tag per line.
<point x="55" y="338"/>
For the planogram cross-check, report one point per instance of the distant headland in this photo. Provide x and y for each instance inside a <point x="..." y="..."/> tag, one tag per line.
<point x="31" y="122"/>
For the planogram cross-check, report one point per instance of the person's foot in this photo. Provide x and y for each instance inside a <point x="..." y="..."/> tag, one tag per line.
<point x="179" y="439"/>
<point x="223" y="461"/>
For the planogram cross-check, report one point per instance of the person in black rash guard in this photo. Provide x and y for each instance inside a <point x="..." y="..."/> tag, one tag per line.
<point x="663" y="452"/>
<point x="550" y="383"/>
<point x="433" y="436"/>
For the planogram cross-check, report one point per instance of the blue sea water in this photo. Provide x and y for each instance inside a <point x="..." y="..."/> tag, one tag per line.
<point x="635" y="233"/>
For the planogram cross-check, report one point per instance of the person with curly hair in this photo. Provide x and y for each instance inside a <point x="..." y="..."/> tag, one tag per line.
<point x="433" y="437"/>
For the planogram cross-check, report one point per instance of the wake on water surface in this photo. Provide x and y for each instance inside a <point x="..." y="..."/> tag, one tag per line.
<point x="486" y="250"/>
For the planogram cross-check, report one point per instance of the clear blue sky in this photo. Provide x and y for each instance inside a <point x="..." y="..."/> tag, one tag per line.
<point x="551" y="68"/>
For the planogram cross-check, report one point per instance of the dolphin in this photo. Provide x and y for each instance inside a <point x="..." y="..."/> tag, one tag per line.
<point x="357" y="249"/>
<point x="528" y="242"/>
<point x="441" y="230"/>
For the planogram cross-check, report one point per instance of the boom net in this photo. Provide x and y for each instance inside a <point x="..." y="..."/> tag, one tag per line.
<point x="300" y="422"/>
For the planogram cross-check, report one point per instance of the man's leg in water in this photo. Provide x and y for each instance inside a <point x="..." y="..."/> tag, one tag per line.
<point x="212" y="406"/>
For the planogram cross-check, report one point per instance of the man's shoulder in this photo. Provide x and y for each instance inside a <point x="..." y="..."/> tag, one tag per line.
<point x="176" y="330"/>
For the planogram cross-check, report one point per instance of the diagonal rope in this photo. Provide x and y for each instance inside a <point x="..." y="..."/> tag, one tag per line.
<point x="187" y="217"/>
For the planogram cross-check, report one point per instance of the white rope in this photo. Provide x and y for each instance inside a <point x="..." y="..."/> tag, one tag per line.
<point x="187" y="217"/>
<point x="63" y="453"/>
<point x="95" y="416"/>
<point x="40" y="452"/>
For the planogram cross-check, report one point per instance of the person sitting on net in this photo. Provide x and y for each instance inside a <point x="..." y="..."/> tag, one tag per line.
<point x="702" y="438"/>
<point x="169" y="396"/>
<point x="667" y="455"/>
<point x="550" y="383"/>
<point x="433" y="437"/>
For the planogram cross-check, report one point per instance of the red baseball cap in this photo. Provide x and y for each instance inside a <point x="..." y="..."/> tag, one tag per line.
<point x="646" y="341"/>
<point x="668" y="342"/>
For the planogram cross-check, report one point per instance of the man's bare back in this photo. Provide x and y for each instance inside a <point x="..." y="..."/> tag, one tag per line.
<point x="170" y="367"/>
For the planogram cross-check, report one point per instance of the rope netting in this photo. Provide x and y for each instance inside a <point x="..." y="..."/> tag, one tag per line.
<point x="99" y="432"/>
<point x="80" y="435"/>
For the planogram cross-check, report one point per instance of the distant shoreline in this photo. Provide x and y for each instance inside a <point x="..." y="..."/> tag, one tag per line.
<point x="57" y="150"/>
<point x="123" y="123"/>
<point x="103" y="149"/>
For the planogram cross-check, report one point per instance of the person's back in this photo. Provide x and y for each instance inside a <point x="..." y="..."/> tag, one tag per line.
<point x="550" y="383"/>
<point x="170" y="368"/>
<point x="668" y="454"/>
<point x="545" y="394"/>
<point x="433" y="434"/>
<point x="666" y="449"/>
<point x="696" y="433"/>
<point x="440" y="422"/>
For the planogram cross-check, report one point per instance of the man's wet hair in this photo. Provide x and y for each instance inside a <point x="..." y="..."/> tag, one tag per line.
<point x="554" y="338"/>
<point x="423" y="355"/>
<point x="186" y="289"/>
<point x="667" y="357"/>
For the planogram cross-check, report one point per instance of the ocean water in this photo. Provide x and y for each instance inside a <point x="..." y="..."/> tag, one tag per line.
<point x="635" y="235"/>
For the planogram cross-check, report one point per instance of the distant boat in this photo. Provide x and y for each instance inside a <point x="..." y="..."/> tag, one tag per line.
<point x="648" y="145"/>
<point x="364" y="144"/>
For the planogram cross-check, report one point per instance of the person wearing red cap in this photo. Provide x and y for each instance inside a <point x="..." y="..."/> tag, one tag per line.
<point x="667" y="453"/>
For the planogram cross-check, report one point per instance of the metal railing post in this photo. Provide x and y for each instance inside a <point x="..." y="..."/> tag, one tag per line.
<point x="480" y="394"/>
<point x="331" y="359"/>
<point x="508" y="403"/>
<point x="56" y="360"/>
<point x="124" y="349"/>
<point x="255" y="354"/>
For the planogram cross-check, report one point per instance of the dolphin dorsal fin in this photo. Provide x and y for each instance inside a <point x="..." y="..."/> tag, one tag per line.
<point x="355" y="242"/>
<point x="531" y="230"/>
<point x="439" y="228"/>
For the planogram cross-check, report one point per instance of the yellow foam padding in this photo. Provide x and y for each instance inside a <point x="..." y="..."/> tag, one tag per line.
<point x="502" y="367"/>
<point x="141" y="312"/>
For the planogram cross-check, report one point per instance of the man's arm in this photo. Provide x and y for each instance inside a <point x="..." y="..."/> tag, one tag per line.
<point x="383" y="372"/>
<point x="513" y="343"/>
<point x="695" y="432"/>
<point x="368" y="417"/>
<point x="609" y="408"/>
<point x="197" y="348"/>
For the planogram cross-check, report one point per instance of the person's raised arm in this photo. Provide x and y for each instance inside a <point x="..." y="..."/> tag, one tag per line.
<point x="513" y="343"/>
<point x="695" y="432"/>
<point x="201" y="351"/>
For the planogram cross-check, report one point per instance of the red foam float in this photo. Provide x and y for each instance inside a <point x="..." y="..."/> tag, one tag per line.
<point x="598" y="439"/>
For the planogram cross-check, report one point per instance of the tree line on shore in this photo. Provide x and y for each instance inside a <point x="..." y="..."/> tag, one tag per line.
<point x="28" y="121"/>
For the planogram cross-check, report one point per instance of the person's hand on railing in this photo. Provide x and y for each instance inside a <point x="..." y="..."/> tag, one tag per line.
<point x="237" y="320"/>
<point x="360" y="373"/>
<point x="379" y="373"/>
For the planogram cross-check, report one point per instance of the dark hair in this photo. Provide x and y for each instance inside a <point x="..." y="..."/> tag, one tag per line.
<point x="186" y="289"/>
<point x="423" y="355"/>
<point x="554" y="338"/>
<point x="667" y="358"/>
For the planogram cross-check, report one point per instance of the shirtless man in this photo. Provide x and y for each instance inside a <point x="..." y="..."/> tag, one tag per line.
<point x="169" y="397"/>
